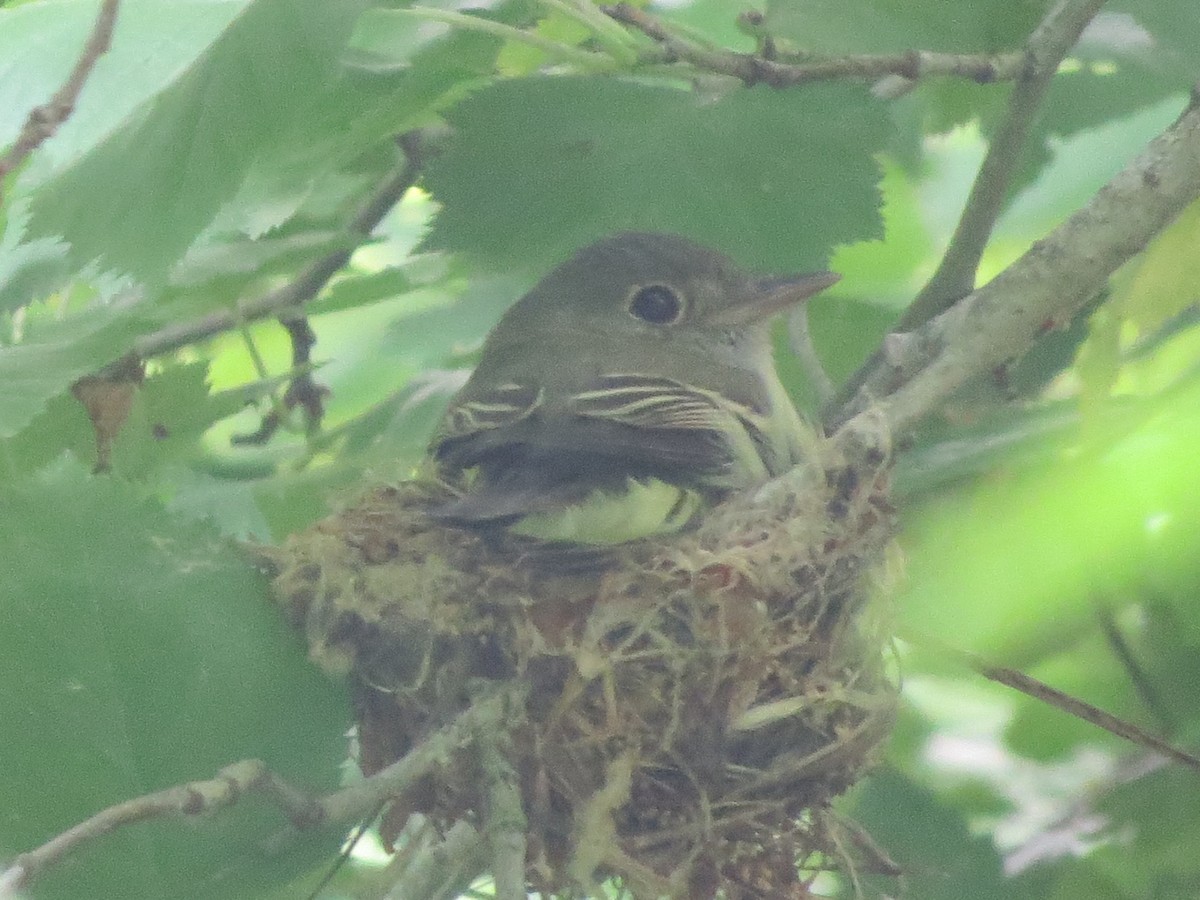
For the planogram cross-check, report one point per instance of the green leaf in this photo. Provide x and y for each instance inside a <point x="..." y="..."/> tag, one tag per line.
<point x="52" y="357"/>
<point x="29" y="270"/>
<point x="1164" y="807"/>
<point x="170" y="414"/>
<point x="138" y="652"/>
<point x="152" y="42"/>
<point x="541" y="166"/>
<point x="194" y="143"/>
<point x="886" y="272"/>
<point x="1161" y="33"/>
<point x="930" y="840"/>
<point x="714" y="20"/>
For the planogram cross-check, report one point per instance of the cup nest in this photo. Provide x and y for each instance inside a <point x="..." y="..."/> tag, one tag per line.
<point x="690" y="707"/>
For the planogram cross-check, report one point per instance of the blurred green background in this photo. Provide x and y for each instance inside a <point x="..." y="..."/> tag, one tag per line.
<point x="1049" y="512"/>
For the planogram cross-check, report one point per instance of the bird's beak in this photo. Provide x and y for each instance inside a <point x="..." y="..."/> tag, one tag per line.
<point x="774" y="294"/>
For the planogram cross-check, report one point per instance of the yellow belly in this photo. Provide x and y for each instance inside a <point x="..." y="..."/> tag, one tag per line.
<point x="643" y="509"/>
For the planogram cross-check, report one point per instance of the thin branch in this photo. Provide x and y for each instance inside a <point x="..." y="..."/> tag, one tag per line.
<point x="358" y="799"/>
<point x="955" y="275"/>
<point x="302" y="391"/>
<point x="252" y="776"/>
<point x="192" y="799"/>
<point x="506" y="821"/>
<point x="1045" y="287"/>
<point x="440" y="871"/>
<point x="1045" y="49"/>
<point x="45" y="120"/>
<point x="309" y="282"/>
<point x="1039" y="690"/>
<point x="1139" y="678"/>
<point x="753" y="69"/>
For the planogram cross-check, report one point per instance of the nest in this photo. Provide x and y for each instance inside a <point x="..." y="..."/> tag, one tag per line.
<point x="691" y="706"/>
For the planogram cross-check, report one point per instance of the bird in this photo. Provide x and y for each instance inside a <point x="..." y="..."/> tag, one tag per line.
<point x="627" y="391"/>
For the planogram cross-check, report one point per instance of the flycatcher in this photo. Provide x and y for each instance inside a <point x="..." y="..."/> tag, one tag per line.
<point x="632" y="386"/>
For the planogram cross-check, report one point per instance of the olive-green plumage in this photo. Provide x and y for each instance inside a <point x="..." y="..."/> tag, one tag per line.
<point x="637" y="375"/>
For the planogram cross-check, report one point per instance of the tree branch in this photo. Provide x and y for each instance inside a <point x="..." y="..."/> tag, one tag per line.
<point x="45" y="120"/>
<point x="1045" y="49"/>
<point x="753" y="69"/>
<point x="194" y="798"/>
<point x="1039" y="690"/>
<point x="486" y="714"/>
<point x="439" y="872"/>
<point x="1045" y="287"/>
<point x="506" y="822"/>
<point x="309" y="282"/>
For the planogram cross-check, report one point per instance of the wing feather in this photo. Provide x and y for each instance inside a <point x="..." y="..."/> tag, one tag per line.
<point x="532" y="453"/>
<point x="502" y="407"/>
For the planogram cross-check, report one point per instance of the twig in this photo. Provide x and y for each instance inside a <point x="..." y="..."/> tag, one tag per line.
<point x="309" y="282"/>
<point x="1041" y="691"/>
<point x="1046" y="286"/>
<point x="440" y="871"/>
<point x="192" y="799"/>
<point x="1045" y="49"/>
<point x="358" y="799"/>
<point x="45" y="120"/>
<point x="252" y="776"/>
<point x="753" y="69"/>
<point x="302" y="390"/>
<point x="1138" y="676"/>
<point x="955" y="275"/>
<point x="348" y="849"/>
<point x="506" y="822"/>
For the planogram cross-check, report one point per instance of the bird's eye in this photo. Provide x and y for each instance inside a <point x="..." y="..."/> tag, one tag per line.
<point x="656" y="304"/>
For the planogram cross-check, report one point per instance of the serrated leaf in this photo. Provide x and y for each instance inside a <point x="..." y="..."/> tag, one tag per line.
<point x="542" y="166"/>
<point x="40" y="42"/>
<point x="238" y="257"/>
<point x="194" y="143"/>
<point x="886" y="272"/>
<point x="31" y="269"/>
<point x="49" y="360"/>
<point x="138" y="652"/>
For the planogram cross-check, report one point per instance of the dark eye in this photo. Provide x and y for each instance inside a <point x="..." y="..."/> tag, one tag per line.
<point x="656" y="304"/>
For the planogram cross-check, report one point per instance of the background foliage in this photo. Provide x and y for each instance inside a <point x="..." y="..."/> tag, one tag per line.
<point x="221" y="146"/>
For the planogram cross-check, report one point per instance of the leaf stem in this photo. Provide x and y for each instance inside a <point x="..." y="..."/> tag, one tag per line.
<point x="586" y="59"/>
<point x="616" y="40"/>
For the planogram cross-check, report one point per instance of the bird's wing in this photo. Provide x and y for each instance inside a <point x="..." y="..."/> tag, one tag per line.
<point x="718" y="439"/>
<point x="504" y="406"/>
<point x="533" y="456"/>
